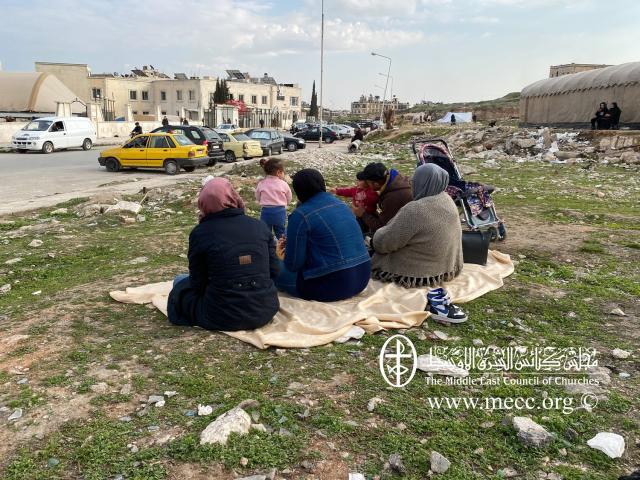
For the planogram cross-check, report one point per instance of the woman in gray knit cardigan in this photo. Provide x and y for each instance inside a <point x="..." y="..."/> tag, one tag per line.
<point x="422" y="245"/>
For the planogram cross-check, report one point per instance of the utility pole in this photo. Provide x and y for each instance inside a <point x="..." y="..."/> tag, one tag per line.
<point x="321" y="69"/>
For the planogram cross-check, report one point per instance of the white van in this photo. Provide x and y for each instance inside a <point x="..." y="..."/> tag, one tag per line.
<point x="54" y="133"/>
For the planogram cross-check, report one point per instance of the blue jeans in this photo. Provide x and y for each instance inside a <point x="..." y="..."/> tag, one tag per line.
<point x="275" y="218"/>
<point x="179" y="278"/>
<point x="332" y="287"/>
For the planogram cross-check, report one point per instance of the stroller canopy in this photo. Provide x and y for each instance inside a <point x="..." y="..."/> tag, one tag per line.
<point x="461" y="117"/>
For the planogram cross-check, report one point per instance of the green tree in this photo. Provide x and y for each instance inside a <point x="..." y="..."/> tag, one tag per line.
<point x="313" y="109"/>
<point x="221" y="95"/>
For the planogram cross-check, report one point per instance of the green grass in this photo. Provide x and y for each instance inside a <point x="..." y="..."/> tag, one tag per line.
<point x="580" y="264"/>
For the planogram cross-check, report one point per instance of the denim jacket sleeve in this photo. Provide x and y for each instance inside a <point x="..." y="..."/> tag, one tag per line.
<point x="197" y="264"/>
<point x="295" y="254"/>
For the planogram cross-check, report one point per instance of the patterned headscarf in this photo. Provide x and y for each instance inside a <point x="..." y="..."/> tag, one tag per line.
<point x="218" y="194"/>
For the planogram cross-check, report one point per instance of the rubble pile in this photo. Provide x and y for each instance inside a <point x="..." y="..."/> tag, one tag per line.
<point x="545" y="144"/>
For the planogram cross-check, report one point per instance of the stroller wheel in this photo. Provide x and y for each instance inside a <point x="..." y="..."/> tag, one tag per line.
<point x="493" y="234"/>
<point x="502" y="231"/>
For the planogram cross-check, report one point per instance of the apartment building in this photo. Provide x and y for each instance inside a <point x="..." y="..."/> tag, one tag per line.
<point x="371" y="106"/>
<point x="149" y="92"/>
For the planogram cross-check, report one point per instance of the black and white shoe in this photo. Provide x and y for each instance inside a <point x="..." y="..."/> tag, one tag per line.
<point x="443" y="311"/>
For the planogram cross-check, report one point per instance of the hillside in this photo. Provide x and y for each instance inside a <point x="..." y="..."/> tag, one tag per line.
<point x="500" y="108"/>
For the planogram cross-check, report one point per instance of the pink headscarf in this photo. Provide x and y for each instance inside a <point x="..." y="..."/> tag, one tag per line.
<point x="217" y="195"/>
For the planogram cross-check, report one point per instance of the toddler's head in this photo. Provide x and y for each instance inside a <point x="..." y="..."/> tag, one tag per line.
<point x="273" y="166"/>
<point x="361" y="182"/>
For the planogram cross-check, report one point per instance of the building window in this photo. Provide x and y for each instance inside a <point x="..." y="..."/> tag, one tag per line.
<point x="293" y="101"/>
<point x="241" y="97"/>
<point x="264" y="99"/>
<point x="133" y="95"/>
<point x="145" y="113"/>
<point x="254" y="99"/>
<point x="192" y="95"/>
<point x="135" y="112"/>
<point x="145" y="95"/>
<point x="96" y="93"/>
<point x="179" y="95"/>
<point x="164" y="112"/>
<point x="163" y="96"/>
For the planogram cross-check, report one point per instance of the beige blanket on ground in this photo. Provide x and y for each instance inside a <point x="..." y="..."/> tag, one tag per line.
<point x="301" y="323"/>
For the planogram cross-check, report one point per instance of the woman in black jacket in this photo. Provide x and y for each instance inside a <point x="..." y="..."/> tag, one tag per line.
<point x="232" y="263"/>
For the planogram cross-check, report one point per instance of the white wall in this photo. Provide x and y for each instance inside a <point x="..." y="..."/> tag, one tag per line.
<point x="123" y="129"/>
<point x="7" y="129"/>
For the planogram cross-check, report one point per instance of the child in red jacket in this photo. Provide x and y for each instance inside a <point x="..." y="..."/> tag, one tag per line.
<point x="361" y="196"/>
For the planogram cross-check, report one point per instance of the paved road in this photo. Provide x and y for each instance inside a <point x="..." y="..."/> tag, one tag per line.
<point x="36" y="180"/>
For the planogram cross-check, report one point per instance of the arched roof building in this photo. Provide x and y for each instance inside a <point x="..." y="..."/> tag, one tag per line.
<point x="571" y="100"/>
<point x="34" y="92"/>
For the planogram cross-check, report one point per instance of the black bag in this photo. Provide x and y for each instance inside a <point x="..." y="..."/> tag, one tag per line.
<point x="475" y="247"/>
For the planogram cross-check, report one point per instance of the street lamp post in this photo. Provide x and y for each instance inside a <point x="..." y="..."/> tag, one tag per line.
<point x="321" y="70"/>
<point x="385" y="85"/>
<point x="391" y="92"/>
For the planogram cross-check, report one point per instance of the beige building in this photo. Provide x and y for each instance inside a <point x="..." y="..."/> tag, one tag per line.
<point x="148" y="93"/>
<point x="569" y="68"/>
<point x="371" y="106"/>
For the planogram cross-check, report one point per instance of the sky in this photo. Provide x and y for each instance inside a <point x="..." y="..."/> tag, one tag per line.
<point x="441" y="50"/>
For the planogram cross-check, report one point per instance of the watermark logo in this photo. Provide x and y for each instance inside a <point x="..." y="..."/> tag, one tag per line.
<point x="398" y="361"/>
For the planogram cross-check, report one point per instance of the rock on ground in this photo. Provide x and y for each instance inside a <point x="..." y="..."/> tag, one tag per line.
<point x="16" y="415"/>
<point x="620" y="354"/>
<point x="235" y="420"/>
<point x="439" y="463"/>
<point x="395" y="463"/>
<point x="530" y="433"/>
<point x="372" y="403"/>
<point x="611" y="444"/>
<point x="35" y="243"/>
<point x="124" y="206"/>
<point x="432" y="364"/>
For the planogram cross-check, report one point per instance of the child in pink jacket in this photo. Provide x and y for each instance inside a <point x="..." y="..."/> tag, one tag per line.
<point x="273" y="194"/>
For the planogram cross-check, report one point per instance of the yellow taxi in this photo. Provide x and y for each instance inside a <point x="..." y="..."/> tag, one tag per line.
<point x="168" y="151"/>
<point x="238" y="145"/>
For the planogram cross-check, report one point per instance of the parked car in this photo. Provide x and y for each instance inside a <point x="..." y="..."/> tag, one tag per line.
<point x="342" y="130"/>
<point x="55" y="133"/>
<point x="298" y="126"/>
<point x="200" y="136"/>
<point x="313" y="134"/>
<point x="270" y="139"/>
<point x="292" y="143"/>
<point x="169" y="151"/>
<point x="238" y="145"/>
<point x="347" y="130"/>
<point x="227" y="127"/>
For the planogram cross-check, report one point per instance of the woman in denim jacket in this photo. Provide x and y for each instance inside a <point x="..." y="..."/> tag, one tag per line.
<point x="325" y="258"/>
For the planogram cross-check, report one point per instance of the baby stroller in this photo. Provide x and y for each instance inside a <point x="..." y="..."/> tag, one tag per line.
<point x="473" y="199"/>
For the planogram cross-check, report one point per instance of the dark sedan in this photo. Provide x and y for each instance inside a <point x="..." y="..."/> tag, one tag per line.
<point x="292" y="143"/>
<point x="270" y="140"/>
<point x="313" y="134"/>
<point x="199" y="136"/>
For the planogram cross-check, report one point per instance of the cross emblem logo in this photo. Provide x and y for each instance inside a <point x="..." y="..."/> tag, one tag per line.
<point x="395" y="355"/>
